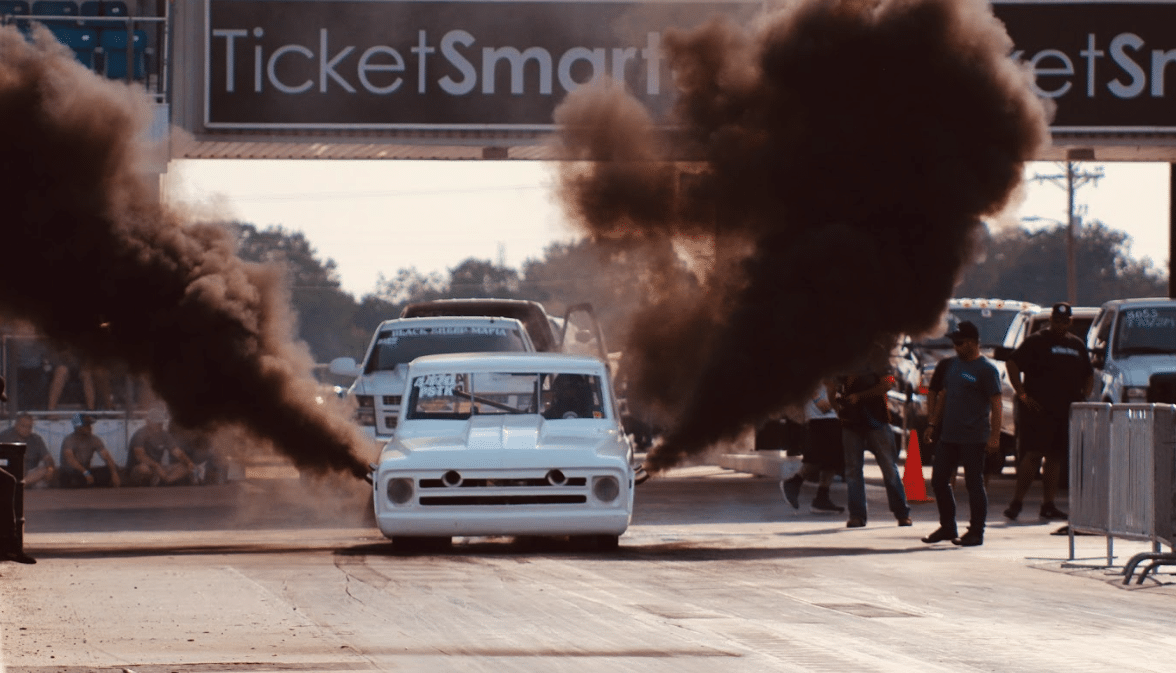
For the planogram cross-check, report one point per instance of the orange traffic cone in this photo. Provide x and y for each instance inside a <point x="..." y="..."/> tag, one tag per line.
<point x="912" y="473"/>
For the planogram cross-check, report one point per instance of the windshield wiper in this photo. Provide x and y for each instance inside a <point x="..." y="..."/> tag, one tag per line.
<point x="490" y="403"/>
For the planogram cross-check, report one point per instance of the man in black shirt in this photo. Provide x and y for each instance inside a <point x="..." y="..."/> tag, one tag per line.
<point x="1057" y="372"/>
<point x="11" y="537"/>
<point x="861" y="407"/>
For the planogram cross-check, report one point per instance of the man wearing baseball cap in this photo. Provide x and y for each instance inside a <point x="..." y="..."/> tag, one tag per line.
<point x="154" y="457"/>
<point x="966" y="424"/>
<point x="1057" y="372"/>
<point x="78" y="449"/>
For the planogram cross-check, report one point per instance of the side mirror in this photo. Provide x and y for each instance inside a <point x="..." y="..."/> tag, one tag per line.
<point x="344" y="367"/>
<point x="1002" y="353"/>
<point x="1098" y="359"/>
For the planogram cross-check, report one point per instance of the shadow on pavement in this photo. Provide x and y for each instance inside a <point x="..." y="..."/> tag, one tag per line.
<point x="562" y="547"/>
<point x="246" y="505"/>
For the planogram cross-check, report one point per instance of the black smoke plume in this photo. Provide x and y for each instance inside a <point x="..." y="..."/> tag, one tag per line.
<point x="840" y="157"/>
<point x="96" y="263"/>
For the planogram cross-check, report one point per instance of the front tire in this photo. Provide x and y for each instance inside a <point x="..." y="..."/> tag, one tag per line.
<point x="416" y="543"/>
<point x="599" y="543"/>
<point x="608" y="542"/>
<point x="369" y="511"/>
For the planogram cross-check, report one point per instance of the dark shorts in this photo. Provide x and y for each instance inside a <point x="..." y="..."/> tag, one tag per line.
<point x="822" y="446"/>
<point x="1048" y="435"/>
<point x="71" y="478"/>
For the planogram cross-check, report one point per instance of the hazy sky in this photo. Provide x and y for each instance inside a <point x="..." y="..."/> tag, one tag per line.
<point x="375" y="217"/>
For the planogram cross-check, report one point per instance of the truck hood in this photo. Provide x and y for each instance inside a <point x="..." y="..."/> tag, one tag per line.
<point x="509" y="439"/>
<point x="380" y="383"/>
<point x="1135" y="370"/>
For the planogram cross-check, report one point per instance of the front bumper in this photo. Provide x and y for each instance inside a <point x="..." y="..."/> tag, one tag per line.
<point x="502" y="501"/>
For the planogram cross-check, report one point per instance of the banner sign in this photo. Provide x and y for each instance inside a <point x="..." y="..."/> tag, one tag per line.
<point x="431" y="65"/>
<point x="436" y="65"/>
<point x="1104" y="65"/>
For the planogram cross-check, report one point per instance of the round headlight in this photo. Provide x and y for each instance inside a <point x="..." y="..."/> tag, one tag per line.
<point x="399" y="490"/>
<point x="606" y="488"/>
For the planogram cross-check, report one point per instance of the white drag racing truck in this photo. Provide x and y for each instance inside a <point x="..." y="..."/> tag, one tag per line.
<point x="505" y="445"/>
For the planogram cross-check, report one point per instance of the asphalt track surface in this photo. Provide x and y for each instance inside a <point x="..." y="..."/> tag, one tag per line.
<point x="716" y="574"/>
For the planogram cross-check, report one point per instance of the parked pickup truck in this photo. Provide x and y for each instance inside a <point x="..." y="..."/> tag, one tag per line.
<point x="379" y="378"/>
<point x="1132" y="346"/>
<point x="547" y="332"/>
<point x="1027" y="322"/>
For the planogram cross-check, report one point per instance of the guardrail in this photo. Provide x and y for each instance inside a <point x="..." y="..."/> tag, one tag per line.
<point x="1123" y="477"/>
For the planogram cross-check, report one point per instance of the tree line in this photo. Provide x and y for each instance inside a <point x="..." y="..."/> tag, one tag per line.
<point x="1031" y="266"/>
<point x="1015" y="264"/>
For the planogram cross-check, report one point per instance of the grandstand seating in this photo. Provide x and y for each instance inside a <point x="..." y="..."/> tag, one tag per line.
<point x="83" y="42"/>
<point x="114" y="49"/>
<point x="10" y="9"/>
<point x="97" y="38"/>
<point x="108" y="9"/>
<point x="55" y="8"/>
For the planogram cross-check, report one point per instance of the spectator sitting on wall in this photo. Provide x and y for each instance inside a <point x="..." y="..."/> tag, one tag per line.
<point x="211" y="465"/>
<point x="95" y="382"/>
<point x="78" y="449"/>
<point x="154" y="457"/>
<point x="34" y="372"/>
<point x="39" y="467"/>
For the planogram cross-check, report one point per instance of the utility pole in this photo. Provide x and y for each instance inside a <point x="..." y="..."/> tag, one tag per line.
<point x="1073" y="180"/>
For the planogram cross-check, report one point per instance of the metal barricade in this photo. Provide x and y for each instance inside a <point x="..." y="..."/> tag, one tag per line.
<point x="1164" y="503"/>
<point x="1132" y="472"/>
<point x="1090" y="471"/>
<point x="1123" y="476"/>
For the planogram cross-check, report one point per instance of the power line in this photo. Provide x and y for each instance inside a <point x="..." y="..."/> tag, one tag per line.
<point x="1071" y="180"/>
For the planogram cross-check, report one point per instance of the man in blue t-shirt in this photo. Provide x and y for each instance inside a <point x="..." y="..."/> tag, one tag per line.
<point x="966" y="425"/>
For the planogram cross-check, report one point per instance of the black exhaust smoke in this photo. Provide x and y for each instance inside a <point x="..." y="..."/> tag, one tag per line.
<point x="97" y="264"/>
<point x="844" y="153"/>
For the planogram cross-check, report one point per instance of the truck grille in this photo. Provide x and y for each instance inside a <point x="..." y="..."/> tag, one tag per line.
<point x="500" y="483"/>
<point x="484" y="500"/>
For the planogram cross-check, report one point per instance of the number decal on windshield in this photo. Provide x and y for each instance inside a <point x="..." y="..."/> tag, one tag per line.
<point x="436" y="385"/>
<point x="1147" y="318"/>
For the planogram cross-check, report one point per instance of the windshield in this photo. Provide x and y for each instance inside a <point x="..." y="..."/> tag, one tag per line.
<point x="1079" y="325"/>
<point x="993" y="325"/>
<point x="1146" y="330"/>
<point x="403" y="345"/>
<point x="457" y="396"/>
<point x="531" y="314"/>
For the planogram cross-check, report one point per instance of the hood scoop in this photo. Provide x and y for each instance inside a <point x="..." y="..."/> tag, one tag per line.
<point x="498" y="432"/>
